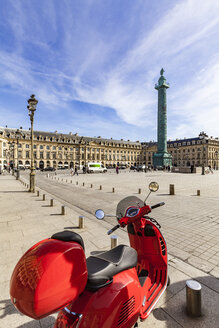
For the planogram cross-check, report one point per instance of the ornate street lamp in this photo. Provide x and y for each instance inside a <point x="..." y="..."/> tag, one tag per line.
<point x="216" y="153"/>
<point x="17" y="135"/>
<point x="32" y="102"/>
<point x="12" y="165"/>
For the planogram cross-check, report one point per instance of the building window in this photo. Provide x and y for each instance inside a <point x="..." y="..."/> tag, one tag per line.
<point x="34" y="146"/>
<point x="48" y="155"/>
<point x="41" y="154"/>
<point x="47" y="147"/>
<point x="41" y="147"/>
<point x="27" y="154"/>
<point x="54" y="155"/>
<point x="27" y="146"/>
<point x="35" y="154"/>
<point x="54" y="147"/>
<point x="60" y="148"/>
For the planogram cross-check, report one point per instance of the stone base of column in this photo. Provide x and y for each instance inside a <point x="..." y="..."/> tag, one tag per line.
<point x="162" y="159"/>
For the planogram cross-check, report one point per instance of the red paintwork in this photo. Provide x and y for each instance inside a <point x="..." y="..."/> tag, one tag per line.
<point x="103" y="307"/>
<point x="53" y="274"/>
<point x="47" y="277"/>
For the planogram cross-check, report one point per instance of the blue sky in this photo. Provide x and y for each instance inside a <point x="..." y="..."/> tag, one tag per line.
<point x="93" y="64"/>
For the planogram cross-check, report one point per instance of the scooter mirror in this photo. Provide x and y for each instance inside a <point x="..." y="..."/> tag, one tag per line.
<point x="153" y="186"/>
<point x="99" y="214"/>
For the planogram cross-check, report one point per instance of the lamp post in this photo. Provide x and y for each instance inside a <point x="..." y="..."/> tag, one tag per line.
<point x="216" y="153"/>
<point x="11" y="145"/>
<point x="17" y="134"/>
<point x="32" y="102"/>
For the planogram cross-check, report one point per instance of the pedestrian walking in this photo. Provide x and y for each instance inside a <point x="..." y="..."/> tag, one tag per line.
<point x="210" y="169"/>
<point x="117" y="170"/>
<point x="72" y="171"/>
<point x="76" y="171"/>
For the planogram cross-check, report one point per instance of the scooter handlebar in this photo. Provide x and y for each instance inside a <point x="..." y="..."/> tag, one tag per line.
<point x="157" y="205"/>
<point x="113" y="229"/>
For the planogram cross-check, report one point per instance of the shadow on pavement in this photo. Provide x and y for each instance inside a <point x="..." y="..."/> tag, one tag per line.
<point x="9" y="309"/>
<point x="175" y="305"/>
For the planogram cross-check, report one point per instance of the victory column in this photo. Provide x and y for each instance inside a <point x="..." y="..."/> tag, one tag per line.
<point x="162" y="157"/>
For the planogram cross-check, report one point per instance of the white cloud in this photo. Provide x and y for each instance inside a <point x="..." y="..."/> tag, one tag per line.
<point x="183" y="40"/>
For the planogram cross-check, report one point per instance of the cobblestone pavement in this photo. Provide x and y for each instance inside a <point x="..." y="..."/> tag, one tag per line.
<point x="25" y="219"/>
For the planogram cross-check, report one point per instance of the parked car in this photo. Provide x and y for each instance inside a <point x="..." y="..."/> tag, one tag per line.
<point x="48" y="169"/>
<point x="132" y="167"/>
<point x="96" y="167"/>
<point x="141" y="168"/>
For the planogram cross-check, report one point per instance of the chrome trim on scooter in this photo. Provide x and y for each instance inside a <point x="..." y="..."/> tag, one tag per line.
<point x="75" y="314"/>
<point x="144" y="301"/>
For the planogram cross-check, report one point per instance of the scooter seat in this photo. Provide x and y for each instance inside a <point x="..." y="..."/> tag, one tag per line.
<point x="102" y="267"/>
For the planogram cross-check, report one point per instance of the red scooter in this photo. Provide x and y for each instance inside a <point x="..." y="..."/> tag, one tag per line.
<point x="111" y="289"/>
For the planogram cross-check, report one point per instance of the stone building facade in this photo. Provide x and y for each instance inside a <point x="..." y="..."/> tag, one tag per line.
<point x="68" y="150"/>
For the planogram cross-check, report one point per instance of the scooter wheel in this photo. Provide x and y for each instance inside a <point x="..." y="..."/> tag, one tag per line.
<point x="168" y="281"/>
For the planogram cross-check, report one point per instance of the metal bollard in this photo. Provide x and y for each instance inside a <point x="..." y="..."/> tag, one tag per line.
<point x="91" y="185"/>
<point x="100" y="187"/>
<point x="38" y="193"/>
<point x="113" y="190"/>
<point x="193" y="298"/>
<point x="76" y="182"/>
<point x="198" y="192"/>
<point x="172" y="189"/>
<point x="114" y="241"/>
<point x="83" y="184"/>
<point x="44" y="197"/>
<point x="66" y="180"/>
<point x="48" y="175"/>
<point x="51" y="202"/>
<point x="71" y="181"/>
<point x="63" y="212"/>
<point x="139" y="191"/>
<point x="81" y="222"/>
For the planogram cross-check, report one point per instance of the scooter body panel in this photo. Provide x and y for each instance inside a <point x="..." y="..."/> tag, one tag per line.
<point x="150" y="245"/>
<point x="117" y="305"/>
